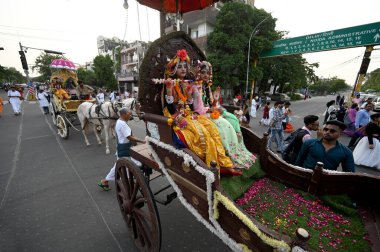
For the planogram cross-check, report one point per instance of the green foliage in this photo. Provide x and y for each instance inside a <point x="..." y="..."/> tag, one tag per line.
<point x="295" y="97"/>
<point x="292" y="69"/>
<point x="228" y="47"/>
<point x="330" y="85"/>
<point x="373" y="80"/>
<point x="88" y="77"/>
<point x="284" y="209"/>
<point x="11" y="75"/>
<point x="236" y="186"/>
<point x="104" y="71"/>
<point x="42" y="64"/>
<point x="228" y="43"/>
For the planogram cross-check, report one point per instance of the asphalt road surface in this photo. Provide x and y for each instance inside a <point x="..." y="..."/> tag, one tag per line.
<point x="50" y="201"/>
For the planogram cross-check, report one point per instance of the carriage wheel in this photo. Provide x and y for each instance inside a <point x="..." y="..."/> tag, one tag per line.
<point x="137" y="206"/>
<point x="63" y="130"/>
<point x="53" y="114"/>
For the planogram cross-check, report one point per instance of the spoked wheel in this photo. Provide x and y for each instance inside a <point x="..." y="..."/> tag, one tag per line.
<point x="53" y="114"/>
<point x="63" y="130"/>
<point x="137" y="206"/>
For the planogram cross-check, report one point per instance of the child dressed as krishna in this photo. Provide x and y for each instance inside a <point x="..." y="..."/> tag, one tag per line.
<point x="196" y="132"/>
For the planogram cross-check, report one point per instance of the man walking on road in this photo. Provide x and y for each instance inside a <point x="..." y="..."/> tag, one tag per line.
<point x="327" y="150"/>
<point x="15" y="100"/>
<point x="124" y="138"/>
<point x="44" y="103"/>
<point x="275" y="127"/>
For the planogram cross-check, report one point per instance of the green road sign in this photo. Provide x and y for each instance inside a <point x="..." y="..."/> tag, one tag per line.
<point x="362" y="35"/>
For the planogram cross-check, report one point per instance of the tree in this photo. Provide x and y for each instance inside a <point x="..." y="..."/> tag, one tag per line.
<point x="11" y="75"/>
<point x="373" y="80"/>
<point x="228" y="43"/>
<point x="88" y="77"/>
<point x="42" y="64"/>
<point x="291" y="69"/>
<point x="330" y="85"/>
<point x="104" y="71"/>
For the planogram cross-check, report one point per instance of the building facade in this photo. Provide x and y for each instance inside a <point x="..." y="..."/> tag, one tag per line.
<point x="131" y="56"/>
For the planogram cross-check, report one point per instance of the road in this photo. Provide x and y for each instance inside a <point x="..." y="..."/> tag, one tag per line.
<point x="49" y="199"/>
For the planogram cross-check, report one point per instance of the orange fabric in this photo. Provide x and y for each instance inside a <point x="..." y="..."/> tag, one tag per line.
<point x="289" y="128"/>
<point x="1" y="105"/>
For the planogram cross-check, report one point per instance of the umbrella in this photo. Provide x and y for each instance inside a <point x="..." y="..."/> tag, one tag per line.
<point x="177" y="6"/>
<point x="62" y="64"/>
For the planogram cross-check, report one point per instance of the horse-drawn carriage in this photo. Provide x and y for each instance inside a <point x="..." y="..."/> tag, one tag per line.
<point x="199" y="186"/>
<point x="64" y="99"/>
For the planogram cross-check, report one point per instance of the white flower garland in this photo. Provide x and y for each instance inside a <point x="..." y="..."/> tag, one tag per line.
<point x="218" y="197"/>
<point x="209" y="180"/>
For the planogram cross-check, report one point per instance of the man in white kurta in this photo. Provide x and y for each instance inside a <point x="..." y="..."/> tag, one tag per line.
<point x="123" y="136"/>
<point x="100" y="97"/>
<point x="43" y="99"/>
<point x="253" y="108"/>
<point x="15" y="100"/>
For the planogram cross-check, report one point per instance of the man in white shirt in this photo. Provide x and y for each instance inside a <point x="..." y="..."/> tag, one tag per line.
<point x="15" y="100"/>
<point x="126" y="94"/>
<point x="100" y="97"/>
<point x="124" y="138"/>
<point x="44" y="103"/>
<point x="112" y="96"/>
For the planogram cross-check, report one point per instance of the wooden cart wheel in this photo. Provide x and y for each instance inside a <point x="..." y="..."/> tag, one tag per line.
<point x="63" y="129"/>
<point x="53" y="114"/>
<point x="137" y="206"/>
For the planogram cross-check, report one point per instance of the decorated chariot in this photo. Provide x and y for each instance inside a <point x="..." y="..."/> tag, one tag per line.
<point x="274" y="206"/>
<point x="65" y="98"/>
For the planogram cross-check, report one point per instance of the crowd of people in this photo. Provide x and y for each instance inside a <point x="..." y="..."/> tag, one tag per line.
<point x="343" y="116"/>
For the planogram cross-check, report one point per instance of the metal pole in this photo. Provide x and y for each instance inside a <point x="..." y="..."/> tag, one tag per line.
<point x="25" y="71"/>
<point x="249" y="51"/>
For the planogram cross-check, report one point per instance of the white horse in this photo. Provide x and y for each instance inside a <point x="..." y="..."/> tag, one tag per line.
<point x="104" y="116"/>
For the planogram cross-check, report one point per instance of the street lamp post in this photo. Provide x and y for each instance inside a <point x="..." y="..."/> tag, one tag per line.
<point x="254" y="32"/>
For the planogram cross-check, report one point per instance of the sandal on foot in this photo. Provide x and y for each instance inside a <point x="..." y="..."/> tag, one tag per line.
<point x="104" y="187"/>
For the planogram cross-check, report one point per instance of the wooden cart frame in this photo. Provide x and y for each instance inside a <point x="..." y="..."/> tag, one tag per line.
<point x="198" y="187"/>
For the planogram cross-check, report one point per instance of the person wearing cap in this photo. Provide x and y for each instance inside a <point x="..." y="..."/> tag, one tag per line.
<point x="368" y="149"/>
<point x="327" y="150"/>
<point x="15" y="100"/>
<point x="124" y="143"/>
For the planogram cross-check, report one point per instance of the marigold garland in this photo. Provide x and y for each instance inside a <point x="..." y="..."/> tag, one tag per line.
<point x="218" y="197"/>
<point x="179" y="93"/>
<point x="215" y="114"/>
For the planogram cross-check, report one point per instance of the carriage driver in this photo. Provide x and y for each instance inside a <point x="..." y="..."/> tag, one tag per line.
<point x="124" y="138"/>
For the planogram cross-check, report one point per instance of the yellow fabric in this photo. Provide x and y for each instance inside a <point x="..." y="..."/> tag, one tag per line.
<point x="199" y="141"/>
<point x="61" y="94"/>
<point x="223" y="160"/>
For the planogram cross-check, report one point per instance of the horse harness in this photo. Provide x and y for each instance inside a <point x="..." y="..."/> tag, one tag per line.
<point x="100" y="113"/>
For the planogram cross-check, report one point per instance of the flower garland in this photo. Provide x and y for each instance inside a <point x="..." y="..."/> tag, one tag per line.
<point x="188" y="160"/>
<point x="179" y="92"/>
<point x="215" y="114"/>
<point x="218" y="197"/>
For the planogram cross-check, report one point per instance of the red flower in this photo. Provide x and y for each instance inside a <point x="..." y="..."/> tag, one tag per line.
<point x="182" y="54"/>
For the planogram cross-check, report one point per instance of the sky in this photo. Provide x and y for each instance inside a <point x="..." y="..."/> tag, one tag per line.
<point x="72" y="26"/>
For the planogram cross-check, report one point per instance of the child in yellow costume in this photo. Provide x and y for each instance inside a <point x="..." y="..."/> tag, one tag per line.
<point x="200" y="136"/>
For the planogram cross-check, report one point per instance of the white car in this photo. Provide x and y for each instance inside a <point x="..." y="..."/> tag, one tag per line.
<point x="376" y="102"/>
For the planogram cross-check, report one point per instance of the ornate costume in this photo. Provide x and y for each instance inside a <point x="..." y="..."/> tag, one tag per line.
<point x="199" y="133"/>
<point x="228" y="128"/>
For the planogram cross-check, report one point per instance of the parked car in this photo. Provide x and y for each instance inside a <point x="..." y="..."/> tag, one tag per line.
<point x="300" y="95"/>
<point x="376" y="102"/>
<point x="279" y="97"/>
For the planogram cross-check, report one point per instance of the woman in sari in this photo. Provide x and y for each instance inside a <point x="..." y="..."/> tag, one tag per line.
<point x="227" y="125"/>
<point x="195" y="133"/>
